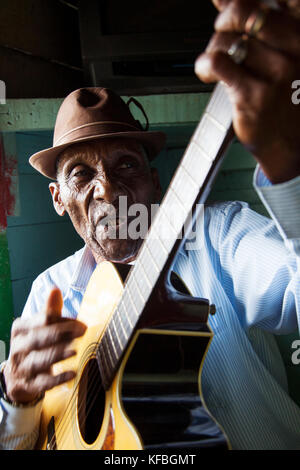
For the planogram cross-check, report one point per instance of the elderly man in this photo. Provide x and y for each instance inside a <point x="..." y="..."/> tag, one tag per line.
<point x="247" y="264"/>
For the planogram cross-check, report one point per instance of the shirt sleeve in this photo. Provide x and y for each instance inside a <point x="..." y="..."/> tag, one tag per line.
<point x="19" y="426"/>
<point x="260" y="257"/>
<point x="282" y="202"/>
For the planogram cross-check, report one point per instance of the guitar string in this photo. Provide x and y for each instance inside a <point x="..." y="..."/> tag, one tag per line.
<point x="61" y="425"/>
<point x="92" y="385"/>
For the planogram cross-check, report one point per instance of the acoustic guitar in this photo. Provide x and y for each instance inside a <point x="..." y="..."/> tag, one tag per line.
<point x="138" y="382"/>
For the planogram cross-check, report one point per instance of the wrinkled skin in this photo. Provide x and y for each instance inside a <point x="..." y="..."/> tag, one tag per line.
<point x="265" y="121"/>
<point x="88" y="184"/>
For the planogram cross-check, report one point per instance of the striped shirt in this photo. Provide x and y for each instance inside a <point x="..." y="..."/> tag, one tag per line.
<point x="248" y="266"/>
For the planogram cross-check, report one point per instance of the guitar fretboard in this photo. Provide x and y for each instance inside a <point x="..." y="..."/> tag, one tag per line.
<point x="189" y="186"/>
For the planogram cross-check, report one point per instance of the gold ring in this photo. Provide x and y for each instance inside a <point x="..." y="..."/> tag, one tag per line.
<point x="256" y="21"/>
<point x="239" y="49"/>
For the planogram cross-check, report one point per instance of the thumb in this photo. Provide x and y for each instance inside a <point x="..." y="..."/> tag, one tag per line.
<point x="54" y="306"/>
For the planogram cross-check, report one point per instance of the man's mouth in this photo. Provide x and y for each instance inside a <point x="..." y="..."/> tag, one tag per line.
<point x="109" y="221"/>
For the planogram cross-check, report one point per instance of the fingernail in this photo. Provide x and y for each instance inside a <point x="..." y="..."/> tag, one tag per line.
<point x="201" y="64"/>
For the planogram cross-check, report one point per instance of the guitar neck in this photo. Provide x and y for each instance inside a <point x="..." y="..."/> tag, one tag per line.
<point x="188" y="190"/>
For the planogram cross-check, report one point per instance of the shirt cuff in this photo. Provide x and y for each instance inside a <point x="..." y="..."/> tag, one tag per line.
<point x="17" y="421"/>
<point x="282" y="202"/>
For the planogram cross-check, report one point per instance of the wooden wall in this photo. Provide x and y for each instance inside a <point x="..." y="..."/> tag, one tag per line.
<point x="37" y="237"/>
<point x="40" y="52"/>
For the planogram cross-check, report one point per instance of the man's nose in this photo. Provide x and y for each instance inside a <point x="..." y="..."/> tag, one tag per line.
<point x="106" y="190"/>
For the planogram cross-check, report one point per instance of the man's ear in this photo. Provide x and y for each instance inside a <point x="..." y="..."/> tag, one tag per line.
<point x="156" y="183"/>
<point x="57" y="202"/>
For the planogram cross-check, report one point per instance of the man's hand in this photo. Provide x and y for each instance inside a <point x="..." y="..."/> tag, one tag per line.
<point x="36" y="344"/>
<point x="260" y="89"/>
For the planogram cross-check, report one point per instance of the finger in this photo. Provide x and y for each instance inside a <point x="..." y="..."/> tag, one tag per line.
<point x="222" y="4"/>
<point x="261" y="60"/>
<point x="38" y="362"/>
<point x="25" y="391"/>
<point x="242" y="87"/>
<point x="46" y="336"/>
<point x="293" y="6"/>
<point x="279" y="30"/>
<point x="54" y="306"/>
<point x="217" y="66"/>
<point x="22" y="326"/>
<point x="44" y="382"/>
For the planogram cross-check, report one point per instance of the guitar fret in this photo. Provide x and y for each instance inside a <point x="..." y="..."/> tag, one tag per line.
<point x="195" y="142"/>
<point x="102" y="357"/>
<point x="215" y="121"/>
<point x="107" y="348"/>
<point x="156" y="237"/>
<point x="220" y="107"/>
<point x="122" y="306"/>
<point x="137" y="288"/>
<point x="208" y="142"/>
<point x="199" y="165"/>
<point x="191" y="179"/>
<point x="108" y="343"/>
<point x="185" y="181"/>
<point x="175" y="223"/>
<point x="152" y="258"/>
<point x="117" y="313"/>
<point x="131" y="299"/>
<point x="117" y="333"/>
<point x="158" y="255"/>
<point x="150" y="285"/>
<point x="112" y="341"/>
<point x="146" y="263"/>
<point x="179" y="200"/>
<point x="136" y="300"/>
<point x="106" y="355"/>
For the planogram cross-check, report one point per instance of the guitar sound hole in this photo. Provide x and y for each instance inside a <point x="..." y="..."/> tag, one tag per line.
<point x="91" y="402"/>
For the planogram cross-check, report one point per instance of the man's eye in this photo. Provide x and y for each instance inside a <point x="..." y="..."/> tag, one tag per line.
<point x="126" y="165"/>
<point x="79" y="172"/>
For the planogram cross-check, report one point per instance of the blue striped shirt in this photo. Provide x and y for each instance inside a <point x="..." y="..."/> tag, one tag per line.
<point x="248" y="266"/>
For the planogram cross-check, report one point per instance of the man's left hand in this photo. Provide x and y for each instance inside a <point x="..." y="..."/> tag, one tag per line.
<point x="265" y="119"/>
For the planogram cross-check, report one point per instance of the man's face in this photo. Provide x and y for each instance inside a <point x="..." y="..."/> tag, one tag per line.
<point x="91" y="179"/>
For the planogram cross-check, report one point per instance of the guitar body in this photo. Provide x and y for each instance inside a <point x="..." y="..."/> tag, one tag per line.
<point x="155" y="399"/>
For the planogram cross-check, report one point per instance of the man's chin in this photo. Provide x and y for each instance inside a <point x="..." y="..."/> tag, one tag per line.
<point x="116" y="251"/>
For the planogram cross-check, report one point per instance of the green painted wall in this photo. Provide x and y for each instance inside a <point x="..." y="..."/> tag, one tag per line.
<point x="6" y="300"/>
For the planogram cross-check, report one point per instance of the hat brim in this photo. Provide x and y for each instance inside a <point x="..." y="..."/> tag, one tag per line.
<point x="45" y="160"/>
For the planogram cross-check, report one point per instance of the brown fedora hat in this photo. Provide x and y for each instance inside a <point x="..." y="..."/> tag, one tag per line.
<point x="89" y="114"/>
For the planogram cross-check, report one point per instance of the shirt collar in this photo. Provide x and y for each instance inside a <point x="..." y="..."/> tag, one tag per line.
<point x="84" y="270"/>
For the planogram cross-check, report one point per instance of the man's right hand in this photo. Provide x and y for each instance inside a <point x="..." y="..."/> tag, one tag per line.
<point x="36" y="344"/>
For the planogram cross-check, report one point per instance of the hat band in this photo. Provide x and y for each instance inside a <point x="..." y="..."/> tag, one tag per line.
<point x="94" y="129"/>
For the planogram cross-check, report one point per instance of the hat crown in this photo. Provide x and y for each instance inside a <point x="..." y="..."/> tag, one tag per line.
<point x="90" y="114"/>
<point x="87" y="106"/>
